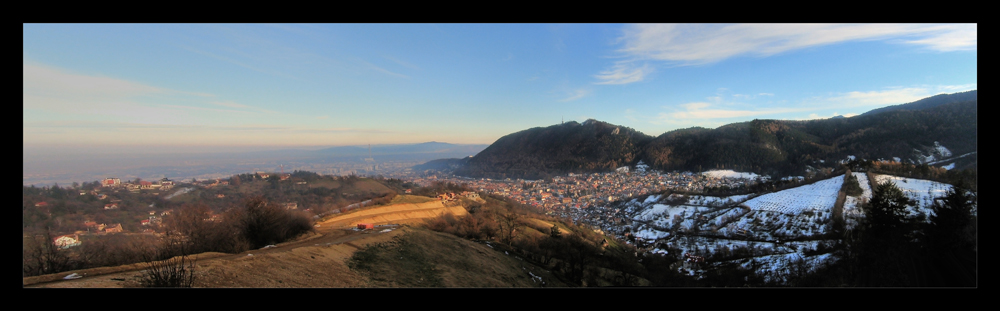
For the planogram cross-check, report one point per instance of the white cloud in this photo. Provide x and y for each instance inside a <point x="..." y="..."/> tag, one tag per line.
<point x="948" y="38"/>
<point x="892" y="96"/>
<point x="692" y="44"/>
<point x="624" y="73"/>
<point x="881" y="98"/>
<point x="698" y="44"/>
<point x="814" y="116"/>
<point x="956" y="88"/>
<point x="697" y="110"/>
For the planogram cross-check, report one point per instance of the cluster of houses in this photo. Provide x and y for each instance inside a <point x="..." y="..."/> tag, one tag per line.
<point x="103" y="228"/>
<point x="451" y="196"/>
<point x="162" y="184"/>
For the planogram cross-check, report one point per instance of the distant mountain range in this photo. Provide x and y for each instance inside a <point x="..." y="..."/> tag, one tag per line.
<point x="400" y="149"/>
<point x="913" y="132"/>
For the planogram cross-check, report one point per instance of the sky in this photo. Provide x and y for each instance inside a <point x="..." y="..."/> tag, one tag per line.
<point x="170" y="87"/>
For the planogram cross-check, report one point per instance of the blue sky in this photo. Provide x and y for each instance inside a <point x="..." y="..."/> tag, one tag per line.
<point x="176" y="86"/>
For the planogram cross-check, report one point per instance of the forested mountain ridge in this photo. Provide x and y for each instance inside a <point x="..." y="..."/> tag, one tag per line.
<point x="930" y="102"/>
<point x="786" y="147"/>
<point x="912" y="132"/>
<point x="535" y="153"/>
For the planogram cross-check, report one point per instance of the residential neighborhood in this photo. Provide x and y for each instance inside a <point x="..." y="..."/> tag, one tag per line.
<point x="585" y="198"/>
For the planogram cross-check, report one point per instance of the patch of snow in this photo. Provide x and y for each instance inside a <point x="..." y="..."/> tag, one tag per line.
<point x="848" y="159"/>
<point x="778" y="267"/>
<point x="818" y="196"/>
<point x="641" y="167"/>
<point x="949" y="166"/>
<point x="651" y="199"/>
<point x="944" y="152"/>
<point x="178" y="192"/>
<point x="922" y="192"/>
<point x="729" y="174"/>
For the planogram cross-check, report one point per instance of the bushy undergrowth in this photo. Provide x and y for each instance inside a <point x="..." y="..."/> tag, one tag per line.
<point x="191" y="230"/>
<point x="478" y="226"/>
<point x="260" y="224"/>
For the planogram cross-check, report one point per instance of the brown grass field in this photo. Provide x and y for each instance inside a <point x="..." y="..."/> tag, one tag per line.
<point x="401" y="213"/>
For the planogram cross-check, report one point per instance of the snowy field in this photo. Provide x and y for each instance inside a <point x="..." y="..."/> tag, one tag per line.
<point x="920" y="191"/>
<point x="729" y="174"/>
<point x="816" y="197"/>
<point x="765" y="224"/>
<point x="664" y="215"/>
<point x="852" y="205"/>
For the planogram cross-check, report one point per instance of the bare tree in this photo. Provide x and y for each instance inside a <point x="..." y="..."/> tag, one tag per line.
<point x="508" y="222"/>
<point x="41" y="256"/>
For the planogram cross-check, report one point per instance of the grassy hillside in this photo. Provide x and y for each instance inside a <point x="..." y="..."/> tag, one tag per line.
<point x="424" y="258"/>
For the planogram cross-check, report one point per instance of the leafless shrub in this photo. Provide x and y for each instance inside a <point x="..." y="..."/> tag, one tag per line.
<point x="173" y="272"/>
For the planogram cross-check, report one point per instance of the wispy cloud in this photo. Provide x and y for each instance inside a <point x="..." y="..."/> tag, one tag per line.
<point x="881" y="98"/>
<point x="624" y="73"/>
<point x="225" y="59"/>
<point x="814" y="116"/>
<point x="50" y="82"/>
<point x="699" y="44"/>
<point x="383" y="70"/>
<point x="576" y="94"/>
<point x="704" y="43"/>
<point x="698" y="110"/>
<point x="890" y="96"/>
<point x="54" y="91"/>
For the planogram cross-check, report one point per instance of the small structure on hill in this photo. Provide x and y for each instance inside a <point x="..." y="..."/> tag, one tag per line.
<point x="692" y="262"/>
<point x="67" y="241"/>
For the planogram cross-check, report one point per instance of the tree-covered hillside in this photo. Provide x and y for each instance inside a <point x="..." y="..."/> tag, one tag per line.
<point x="570" y="147"/>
